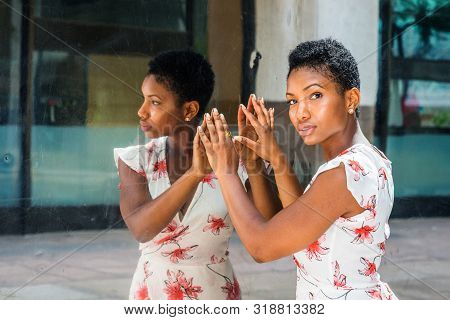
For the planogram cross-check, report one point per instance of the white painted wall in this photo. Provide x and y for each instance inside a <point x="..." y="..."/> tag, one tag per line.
<point x="281" y="25"/>
<point x="355" y="24"/>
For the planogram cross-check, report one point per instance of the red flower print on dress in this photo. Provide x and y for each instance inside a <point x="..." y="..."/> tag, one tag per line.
<point x="347" y="151"/>
<point x="215" y="224"/>
<point x="209" y="179"/>
<point x="150" y="150"/>
<point x="363" y="234"/>
<point x="142" y="292"/>
<point x="382" y="247"/>
<point x="315" y="250"/>
<point x="179" y="254"/>
<point x="359" y="170"/>
<point x="339" y="280"/>
<point x="375" y="293"/>
<point x="147" y="272"/>
<point x="390" y="294"/>
<point x="215" y="260"/>
<point x="370" y="205"/>
<point x="171" y="227"/>
<point x="178" y="287"/>
<point x="382" y="178"/>
<point x="297" y="263"/>
<point x="173" y="237"/>
<point x="370" y="268"/>
<point x="159" y="169"/>
<point x="232" y="289"/>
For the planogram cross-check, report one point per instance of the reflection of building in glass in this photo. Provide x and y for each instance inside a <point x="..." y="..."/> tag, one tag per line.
<point x="70" y="87"/>
<point x="417" y="129"/>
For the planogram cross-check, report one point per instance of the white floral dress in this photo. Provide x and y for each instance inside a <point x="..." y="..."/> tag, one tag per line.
<point x="343" y="262"/>
<point x="189" y="258"/>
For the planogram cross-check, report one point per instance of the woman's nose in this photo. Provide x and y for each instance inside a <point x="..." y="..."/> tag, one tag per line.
<point x="142" y="113"/>
<point x="302" y="111"/>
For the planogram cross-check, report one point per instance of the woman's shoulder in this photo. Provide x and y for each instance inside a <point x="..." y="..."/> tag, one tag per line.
<point x="364" y="169"/>
<point x="361" y="158"/>
<point x="135" y="156"/>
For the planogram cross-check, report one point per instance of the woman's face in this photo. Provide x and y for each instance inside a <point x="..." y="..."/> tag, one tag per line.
<point x="159" y="114"/>
<point x="317" y="110"/>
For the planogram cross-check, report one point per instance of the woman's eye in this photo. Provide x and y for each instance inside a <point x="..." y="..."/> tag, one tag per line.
<point x="291" y="102"/>
<point x="155" y="103"/>
<point x="316" y="95"/>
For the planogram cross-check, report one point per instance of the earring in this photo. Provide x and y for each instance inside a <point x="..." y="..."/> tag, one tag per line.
<point x="187" y="119"/>
<point x="351" y="111"/>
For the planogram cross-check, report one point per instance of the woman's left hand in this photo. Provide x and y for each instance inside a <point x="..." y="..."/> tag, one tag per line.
<point x="219" y="147"/>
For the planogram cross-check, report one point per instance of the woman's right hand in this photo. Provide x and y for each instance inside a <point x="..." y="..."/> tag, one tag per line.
<point x="200" y="164"/>
<point x="245" y="129"/>
<point x="265" y="144"/>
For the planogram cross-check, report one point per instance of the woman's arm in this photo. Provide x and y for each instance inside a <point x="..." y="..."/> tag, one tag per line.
<point x="146" y="217"/>
<point x="262" y="190"/>
<point x="261" y="187"/>
<point x="289" y="188"/>
<point x="266" y="146"/>
<point x="294" y="227"/>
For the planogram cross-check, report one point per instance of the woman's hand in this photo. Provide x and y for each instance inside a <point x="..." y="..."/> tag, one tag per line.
<point x="200" y="164"/>
<point x="245" y="129"/>
<point x="219" y="146"/>
<point x="265" y="145"/>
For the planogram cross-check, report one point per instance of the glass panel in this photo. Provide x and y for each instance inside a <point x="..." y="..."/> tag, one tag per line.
<point x="419" y="104"/>
<point x="420" y="164"/>
<point x="419" y="111"/>
<point x="81" y="114"/>
<point x="420" y="37"/>
<point x="84" y="106"/>
<point x="10" y="153"/>
<point x="151" y="14"/>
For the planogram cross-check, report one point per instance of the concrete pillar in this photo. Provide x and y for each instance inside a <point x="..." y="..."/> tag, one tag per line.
<point x="225" y="54"/>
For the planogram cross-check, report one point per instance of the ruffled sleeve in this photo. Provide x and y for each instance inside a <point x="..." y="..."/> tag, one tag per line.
<point x="135" y="157"/>
<point x="361" y="175"/>
<point x="362" y="180"/>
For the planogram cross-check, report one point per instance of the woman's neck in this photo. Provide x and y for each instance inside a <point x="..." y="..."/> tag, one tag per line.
<point x="180" y="151"/>
<point x="352" y="135"/>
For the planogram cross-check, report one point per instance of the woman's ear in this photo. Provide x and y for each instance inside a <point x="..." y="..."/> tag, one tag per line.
<point x="352" y="99"/>
<point x="191" y="109"/>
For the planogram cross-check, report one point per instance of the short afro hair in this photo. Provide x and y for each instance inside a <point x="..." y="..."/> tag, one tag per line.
<point x="185" y="73"/>
<point x="330" y="58"/>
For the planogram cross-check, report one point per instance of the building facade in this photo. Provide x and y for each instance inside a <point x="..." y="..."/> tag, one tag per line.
<point x="70" y="75"/>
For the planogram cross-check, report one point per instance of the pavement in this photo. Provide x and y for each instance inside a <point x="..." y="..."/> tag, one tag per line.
<point x="100" y="264"/>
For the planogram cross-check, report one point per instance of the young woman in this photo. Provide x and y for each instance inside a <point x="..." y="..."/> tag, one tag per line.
<point x="169" y="197"/>
<point x="337" y="228"/>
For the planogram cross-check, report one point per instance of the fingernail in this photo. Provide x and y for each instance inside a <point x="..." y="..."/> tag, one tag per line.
<point x="215" y="111"/>
<point x="243" y="107"/>
<point x="208" y="116"/>
<point x="262" y="99"/>
<point x="222" y="116"/>
<point x="253" y="95"/>
<point x="199" y="128"/>
<point x="237" y="138"/>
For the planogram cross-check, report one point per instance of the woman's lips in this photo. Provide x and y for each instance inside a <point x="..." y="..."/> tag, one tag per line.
<point x="145" y="127"/>
<point x="305" y="129"/>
